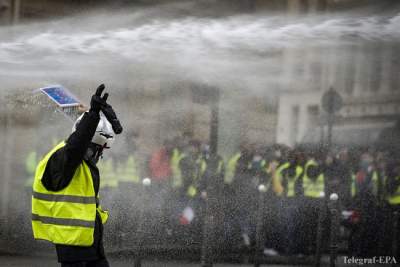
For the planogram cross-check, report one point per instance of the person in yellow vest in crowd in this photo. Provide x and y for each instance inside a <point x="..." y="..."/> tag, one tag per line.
<point x="243" y="190"/>
<point x="272" y="159"/>
<point x="314" y="198"/>
<point x="231" y="168"/>
<point x="191" y="167"/>
<point x="65" y="200"/>
<point x="177" y="156"/>
<point x="206" y="173"/>
<point x="127" y="172"/>
<point x="207" y="183"/>
<point x="367" y="235"/>
<point x="127" y="168"/>
<point x="109" y="175"/>
<point x="392" y="197"/>
<point x="229" y="196"/>
<point x="287" y="185"/>
<point x="125" y="197"/>
<point x="179" y="144"/>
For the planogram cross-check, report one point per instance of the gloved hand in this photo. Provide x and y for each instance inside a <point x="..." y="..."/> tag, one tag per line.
<point x="97" y="102"/>
<point x="109" y="112"/>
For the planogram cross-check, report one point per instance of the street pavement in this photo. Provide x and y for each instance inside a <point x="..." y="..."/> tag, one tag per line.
<point x="47" y="261"/>
<point x="8" y="260"/>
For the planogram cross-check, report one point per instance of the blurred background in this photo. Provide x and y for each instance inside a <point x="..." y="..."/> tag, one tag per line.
<point x="213" y="95"/>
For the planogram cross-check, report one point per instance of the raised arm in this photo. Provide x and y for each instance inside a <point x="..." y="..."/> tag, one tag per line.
<point x="63" y="163"/>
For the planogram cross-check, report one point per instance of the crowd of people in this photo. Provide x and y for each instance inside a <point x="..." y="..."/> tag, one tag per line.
<point x="296" y="184"/>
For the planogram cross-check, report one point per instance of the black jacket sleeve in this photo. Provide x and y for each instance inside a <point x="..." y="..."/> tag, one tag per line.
<point x="62" y="164"/>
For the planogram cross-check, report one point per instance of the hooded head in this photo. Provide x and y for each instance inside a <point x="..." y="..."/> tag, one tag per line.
<point x="102" y="139"/>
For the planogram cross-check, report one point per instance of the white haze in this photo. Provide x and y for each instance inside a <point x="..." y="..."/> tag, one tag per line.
<point x="122" y="47"/>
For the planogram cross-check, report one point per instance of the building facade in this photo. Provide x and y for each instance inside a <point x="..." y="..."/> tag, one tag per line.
<point x="366" y="78"/>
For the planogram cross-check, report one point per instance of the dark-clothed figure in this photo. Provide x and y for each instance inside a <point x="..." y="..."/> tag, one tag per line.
<point x="189" y="206"/>
<point x="244" y="195"/>
<point x="65" y="205"/>
<point x="392" y="188"/>
<point x="287" y="184"/>
<point x="345" y="187"/>
<point x="312" y="204"/>
<point x="366" y="239"/>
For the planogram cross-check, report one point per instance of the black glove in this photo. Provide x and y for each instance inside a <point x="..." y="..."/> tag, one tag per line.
<point x="108" y="111"/>
<point x="97" y="102"/>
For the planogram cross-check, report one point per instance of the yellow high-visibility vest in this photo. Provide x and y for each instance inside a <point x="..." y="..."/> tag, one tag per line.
<point x="67" y="216"/>
<point x="277" y="178"/>
<point x="313" y="188"/>
<point x="375" y="183"/>
<point x="109" y="177"/>
<point x="292" y="182"/>
<point x="353" y="185"/>
<point x="127" y="172"/>
<point x="176" y="158"/>
<point x="202" y="167"/>
<point x="231" y="168"/>
<point x="394" y="199"/>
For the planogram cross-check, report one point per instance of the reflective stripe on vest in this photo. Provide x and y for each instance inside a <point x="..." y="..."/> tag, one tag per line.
<point x="67" y="216"/>
<point x="62" y="222"/>
<point x="313" y="188"/>
<point x="64" y="198"/>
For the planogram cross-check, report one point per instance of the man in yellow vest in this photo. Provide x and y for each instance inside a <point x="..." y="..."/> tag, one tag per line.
<point x="65" y="201"/>
<point x="231" y="168"/>
<point x="286" y="179"/>
<point x="314" y="198"/>
<point x="392" y="186"/>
